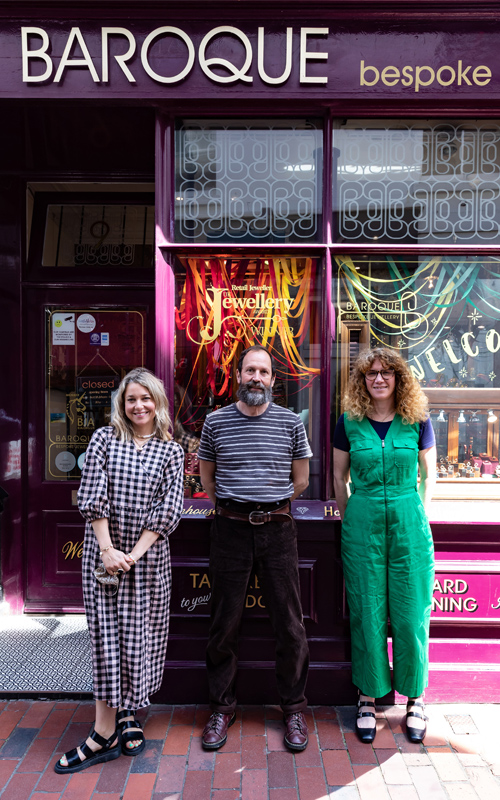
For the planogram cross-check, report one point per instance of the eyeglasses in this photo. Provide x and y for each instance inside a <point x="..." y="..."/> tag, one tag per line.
<point x="386" y="374"/>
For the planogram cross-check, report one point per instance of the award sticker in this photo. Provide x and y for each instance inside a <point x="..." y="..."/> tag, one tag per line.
<point x="81" y="460"/>
<point x="65" y="461"/>
<point x="85" y="323"/>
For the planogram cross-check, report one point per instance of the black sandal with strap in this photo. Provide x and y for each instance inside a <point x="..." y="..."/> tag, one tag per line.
<point x="366" y="735"/>
<point x="108" y="752"/>
<point x="131" y="731"/>
<point x="416" y="735"/>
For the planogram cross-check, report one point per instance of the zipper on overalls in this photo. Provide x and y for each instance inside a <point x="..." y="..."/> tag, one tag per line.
<point x="385" y="491"/>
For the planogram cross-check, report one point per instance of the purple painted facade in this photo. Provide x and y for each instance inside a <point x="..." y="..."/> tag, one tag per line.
<point x="93" y="94"/>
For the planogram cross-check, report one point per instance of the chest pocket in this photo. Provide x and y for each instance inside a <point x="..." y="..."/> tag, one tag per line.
<point x="405" y="453"/>
<point x="363" y="456"/>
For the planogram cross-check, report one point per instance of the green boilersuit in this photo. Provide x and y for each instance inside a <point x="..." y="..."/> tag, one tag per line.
<point x="388" y="558"/>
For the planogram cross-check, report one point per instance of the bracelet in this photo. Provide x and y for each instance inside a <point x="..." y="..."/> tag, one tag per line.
<point x="105" y="549"/>
<point x="129" y="555"/>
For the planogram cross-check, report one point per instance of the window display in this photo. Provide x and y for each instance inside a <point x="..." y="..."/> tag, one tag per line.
<point x="224" y="305"/>
<point x="443" y="314"/>
<point x="88" y="352"/>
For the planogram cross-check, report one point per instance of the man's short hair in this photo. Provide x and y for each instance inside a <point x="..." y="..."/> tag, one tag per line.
<point x="256" y="347"/>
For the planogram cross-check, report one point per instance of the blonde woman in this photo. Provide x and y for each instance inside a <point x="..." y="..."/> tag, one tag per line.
<point x="382" y="439"/>
<point x="131" y="498"/>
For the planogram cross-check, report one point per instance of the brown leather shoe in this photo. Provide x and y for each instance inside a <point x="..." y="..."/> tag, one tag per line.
<point x="215" y="732"/>
<point x="296" y="731"/>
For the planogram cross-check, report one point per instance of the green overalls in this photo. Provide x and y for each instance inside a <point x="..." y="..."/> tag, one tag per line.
<point x="388" y="558"/>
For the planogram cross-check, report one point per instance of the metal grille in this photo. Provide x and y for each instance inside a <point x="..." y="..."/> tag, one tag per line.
<point x="461" y="723"/>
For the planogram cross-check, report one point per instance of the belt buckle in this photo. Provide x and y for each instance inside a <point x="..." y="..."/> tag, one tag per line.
<point x="259" y="514"/>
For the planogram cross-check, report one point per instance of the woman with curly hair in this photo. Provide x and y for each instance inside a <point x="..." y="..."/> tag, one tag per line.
<point x="382" y="439"/>
<point x="131" y="497"/>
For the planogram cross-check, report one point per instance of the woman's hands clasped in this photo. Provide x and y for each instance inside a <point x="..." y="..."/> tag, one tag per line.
<point x="116" y="561"/>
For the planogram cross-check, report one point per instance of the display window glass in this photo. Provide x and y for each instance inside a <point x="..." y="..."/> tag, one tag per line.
<point x="442" y="314"/>
<point x="98" y="235"/>
<point x="416" y="181"/>
<point x="224" y="305"/>
<point x="87" y="353"/>
<point x="248" y="181"/>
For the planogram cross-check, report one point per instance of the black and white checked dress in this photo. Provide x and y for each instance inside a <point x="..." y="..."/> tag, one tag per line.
<point x="134" y="490"/>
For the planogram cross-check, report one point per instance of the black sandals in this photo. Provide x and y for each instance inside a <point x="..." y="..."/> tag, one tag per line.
<point x="131" y="731"/>
<point x="415" y="735"/>
<point x="366" y="735"/>
<point x="108" y="752"/>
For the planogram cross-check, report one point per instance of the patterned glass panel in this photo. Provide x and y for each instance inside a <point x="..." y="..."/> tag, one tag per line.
<point x="248" y="182"/>
<point x="92" y="235"/>
<point x="417" y="182"/>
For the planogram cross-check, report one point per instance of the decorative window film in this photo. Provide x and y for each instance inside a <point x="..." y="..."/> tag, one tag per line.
<point x="443" y="315"/>
<point x="78" y="235"/>
<point x="417" y="182"/>
<point x="248" y="181"/>
<point x="226" y="305"/>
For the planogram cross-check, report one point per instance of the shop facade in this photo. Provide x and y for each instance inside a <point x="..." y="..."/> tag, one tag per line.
<point x="181" y="182"/>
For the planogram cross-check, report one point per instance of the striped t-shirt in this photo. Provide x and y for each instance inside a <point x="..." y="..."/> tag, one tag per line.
<point x="253" y="454"/>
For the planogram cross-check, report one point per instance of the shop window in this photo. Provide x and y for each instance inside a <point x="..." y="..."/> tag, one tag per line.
<point x="418" y="181"/>
<point x="224" y="305"/>
<point x="88" y="351"/>
<point x="110" y="231"/>
<point x="443" y="315"/>
<point x="247" y="181"/>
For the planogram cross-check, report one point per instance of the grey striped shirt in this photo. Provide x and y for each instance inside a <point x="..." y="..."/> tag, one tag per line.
<point x="253" y="455"/>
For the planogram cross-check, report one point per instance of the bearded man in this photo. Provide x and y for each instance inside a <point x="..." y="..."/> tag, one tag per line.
<point x="254" y="459"/>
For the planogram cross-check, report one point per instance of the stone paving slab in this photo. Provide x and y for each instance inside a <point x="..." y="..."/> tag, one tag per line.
<point x="254" y="764"/>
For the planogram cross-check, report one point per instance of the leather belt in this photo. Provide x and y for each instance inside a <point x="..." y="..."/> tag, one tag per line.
<point x="257" y="517"/>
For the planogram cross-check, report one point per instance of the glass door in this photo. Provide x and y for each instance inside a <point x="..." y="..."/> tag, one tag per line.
<point x="79" y="352"/>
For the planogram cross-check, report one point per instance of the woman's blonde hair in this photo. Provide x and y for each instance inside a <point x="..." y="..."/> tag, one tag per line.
<point x="410" y="400"/>
<point x="120" y="421"/>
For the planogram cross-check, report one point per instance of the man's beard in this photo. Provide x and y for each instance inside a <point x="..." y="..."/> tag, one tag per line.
<point x="253" y="398"/>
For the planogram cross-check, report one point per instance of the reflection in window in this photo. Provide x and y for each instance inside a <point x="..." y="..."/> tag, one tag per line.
<point x="443" y="315"/>
<point x="224" y="306"/>
<point x="248" y="181"/>
<point x="417" y="182"/>
<point x="101" y="235"/>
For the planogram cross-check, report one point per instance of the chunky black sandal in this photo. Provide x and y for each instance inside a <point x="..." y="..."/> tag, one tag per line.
<point x="130" y="735"/>
<point x="366" y="735"/>
<point x="108" y="752"/>
<point x="415" y="735"/>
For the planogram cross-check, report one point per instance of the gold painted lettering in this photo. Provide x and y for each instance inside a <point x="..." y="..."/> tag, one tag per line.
<point x="194" y="575"/>
<point x="204" y="581"/>
<point x="72" y="549"/>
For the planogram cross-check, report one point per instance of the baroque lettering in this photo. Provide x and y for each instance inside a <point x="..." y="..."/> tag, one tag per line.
<point x="38" y="64"/>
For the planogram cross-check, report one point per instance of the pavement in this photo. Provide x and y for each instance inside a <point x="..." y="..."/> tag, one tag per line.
<point x="459" y="761"/>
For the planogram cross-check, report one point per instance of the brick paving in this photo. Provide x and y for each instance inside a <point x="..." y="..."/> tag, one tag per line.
<point x="254" y="764"/>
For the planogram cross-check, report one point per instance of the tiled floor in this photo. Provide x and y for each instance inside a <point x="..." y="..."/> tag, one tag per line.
<point x="254" y="764"/>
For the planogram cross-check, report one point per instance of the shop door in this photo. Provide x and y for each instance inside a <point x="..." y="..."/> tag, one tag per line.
<point x="78" y="351"/>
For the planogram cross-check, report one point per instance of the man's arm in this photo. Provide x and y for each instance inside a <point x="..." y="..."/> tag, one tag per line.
<point x="300" y="476"/>
<point x="207" y="477"/>
<point x="341" y="469"/>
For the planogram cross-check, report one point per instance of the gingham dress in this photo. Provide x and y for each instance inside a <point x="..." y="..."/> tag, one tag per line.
<point x="134" y="490"/>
